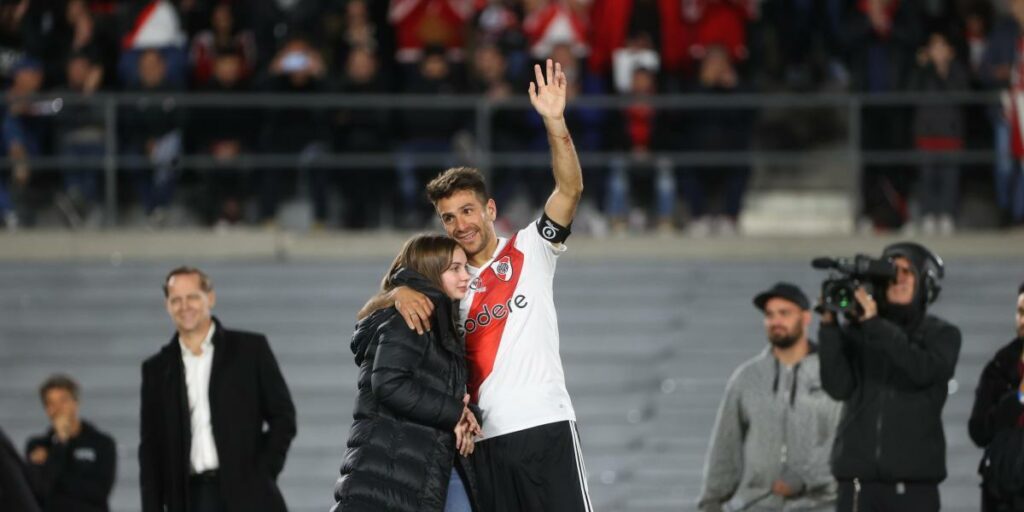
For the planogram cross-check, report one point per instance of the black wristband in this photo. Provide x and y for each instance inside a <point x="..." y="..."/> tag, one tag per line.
<point x="552" y="231"/>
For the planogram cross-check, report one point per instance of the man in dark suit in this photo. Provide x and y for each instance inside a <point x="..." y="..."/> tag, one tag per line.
<point x="15" y="491"/>
<point x="205" y="399"/>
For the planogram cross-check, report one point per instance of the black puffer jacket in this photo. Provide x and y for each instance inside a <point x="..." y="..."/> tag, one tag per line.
<point x="401" y="447"/>
<point x="893" y="382"/>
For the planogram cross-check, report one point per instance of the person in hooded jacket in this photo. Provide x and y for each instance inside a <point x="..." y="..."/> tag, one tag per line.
<point x="891" y="367"/>
<point x="775" y="427"/>
<point x="999" y="409"/>
<point x="413" y="426"/>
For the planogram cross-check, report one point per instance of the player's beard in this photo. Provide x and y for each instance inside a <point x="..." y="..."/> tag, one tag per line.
<point x="483" y="239"/>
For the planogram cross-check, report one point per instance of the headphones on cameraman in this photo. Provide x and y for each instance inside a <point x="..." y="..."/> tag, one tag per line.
<point x="929" y="265"/>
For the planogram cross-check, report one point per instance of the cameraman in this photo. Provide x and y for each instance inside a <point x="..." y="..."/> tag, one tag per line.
<point x="890" y="366"/>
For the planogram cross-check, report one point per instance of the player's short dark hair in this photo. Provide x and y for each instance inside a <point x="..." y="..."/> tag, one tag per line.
<point x="58" y="381"/>
<point x="1020" y="291"/>
<point x="455" y="180"/>
<point x="204" y="280"/>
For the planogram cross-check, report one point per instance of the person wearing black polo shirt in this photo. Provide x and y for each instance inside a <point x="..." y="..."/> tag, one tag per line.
<point x="72" y="465"/>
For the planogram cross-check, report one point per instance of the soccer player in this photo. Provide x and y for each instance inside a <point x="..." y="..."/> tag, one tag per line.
<point x="529" y="457"/>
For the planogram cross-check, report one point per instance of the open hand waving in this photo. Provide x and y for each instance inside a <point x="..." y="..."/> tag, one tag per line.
<point x="547" y="92"/>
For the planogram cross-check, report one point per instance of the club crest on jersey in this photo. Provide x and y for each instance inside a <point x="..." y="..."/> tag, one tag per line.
<point x="503" y="268"/>
<point x="476" y="285"/>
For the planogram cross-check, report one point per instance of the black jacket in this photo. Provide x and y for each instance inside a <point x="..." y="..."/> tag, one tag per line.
<point x="995" y="400"/>
<point x="77" y="475"/>
<point x="15" y="493"/>
<point x="946" y="120"/>
<point x="861" y="42"/>
<point x="247" y="391"/>
<point x="996" y="409"/>
<point x="894" y="384"/>
<point x="150" y="118"/>
<point x="401" y="447"/>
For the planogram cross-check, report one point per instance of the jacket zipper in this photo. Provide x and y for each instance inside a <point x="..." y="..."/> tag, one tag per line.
<point x="878" y="428"/>
<point x="856" y="495"/>
<point x="784" y="450"/>
<point x="878" y="439"/>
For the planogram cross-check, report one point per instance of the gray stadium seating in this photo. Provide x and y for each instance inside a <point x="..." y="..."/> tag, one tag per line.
<point x="647" y="347"/>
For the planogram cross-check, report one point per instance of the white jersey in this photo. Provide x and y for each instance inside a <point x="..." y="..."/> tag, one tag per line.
<point x="511" y="330"/>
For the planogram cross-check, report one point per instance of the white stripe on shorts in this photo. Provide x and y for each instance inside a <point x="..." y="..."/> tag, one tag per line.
<point x="581" y="468"/>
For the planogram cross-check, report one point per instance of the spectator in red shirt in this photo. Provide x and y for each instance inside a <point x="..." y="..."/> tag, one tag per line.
<point x="422" y="23"/>
<point x="937" y="129"/>
<point x="614" y="22"/>
<point x="644" y="129"/>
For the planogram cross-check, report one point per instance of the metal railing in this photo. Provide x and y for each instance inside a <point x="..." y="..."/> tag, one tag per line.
<point x="483" y="110"/>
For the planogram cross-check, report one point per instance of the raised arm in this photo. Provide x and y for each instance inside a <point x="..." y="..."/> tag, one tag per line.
<point x="548" y="96"/>
<point x="923" y="364"/>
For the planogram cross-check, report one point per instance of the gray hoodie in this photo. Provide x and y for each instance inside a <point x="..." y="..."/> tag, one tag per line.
<point x="775" y="423"/>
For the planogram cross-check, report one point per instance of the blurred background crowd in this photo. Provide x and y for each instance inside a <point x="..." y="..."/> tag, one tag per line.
<point x="632" y="49"/>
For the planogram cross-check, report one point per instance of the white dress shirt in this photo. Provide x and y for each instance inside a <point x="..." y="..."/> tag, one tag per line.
<point x="203" y="453"/>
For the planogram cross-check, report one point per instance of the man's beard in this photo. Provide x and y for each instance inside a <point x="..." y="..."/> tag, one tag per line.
<point x="785" y="341"/>
<point x="484" y="239"/>
<point x="1020" y="332"/>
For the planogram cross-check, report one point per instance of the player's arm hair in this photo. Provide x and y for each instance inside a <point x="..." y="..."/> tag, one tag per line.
<point x="565" y="165"/>
<point x="378" y="301"/>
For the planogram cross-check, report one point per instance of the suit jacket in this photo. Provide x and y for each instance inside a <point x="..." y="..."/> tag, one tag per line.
<point x="15" y="492"/>
<point x="246" y="390"/>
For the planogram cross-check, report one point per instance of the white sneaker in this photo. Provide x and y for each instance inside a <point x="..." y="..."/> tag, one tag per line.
<point x="865" y="227"/>
<point x="665" y="229"/>
<point x="157" y="219"/>
<point x="699" y="228"/>
<point x="11" y="221"/>
<point x="67" y="208"/>
<point x="637" y="220"/>
<point x="725" y="227"/>
<point x="929" y="225"/>
<point x="946" y="225"/>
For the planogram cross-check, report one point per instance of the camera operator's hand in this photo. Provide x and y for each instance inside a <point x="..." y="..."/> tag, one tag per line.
<point x="867" y="304"/>
<point x="827" y="316"/>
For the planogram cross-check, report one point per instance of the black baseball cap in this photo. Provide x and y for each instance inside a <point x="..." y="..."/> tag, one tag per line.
<point x="782" y="290"/>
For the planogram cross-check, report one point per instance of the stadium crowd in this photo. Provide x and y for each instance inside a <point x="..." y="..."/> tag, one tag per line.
<point x="632" y="48"/>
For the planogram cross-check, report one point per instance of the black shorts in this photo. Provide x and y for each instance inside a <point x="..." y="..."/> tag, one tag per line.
<point x="534" y="470"/>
